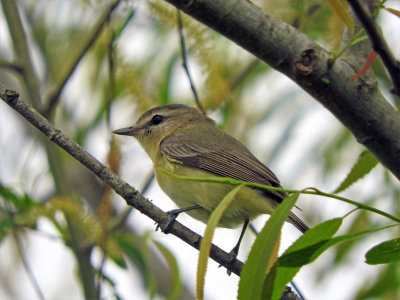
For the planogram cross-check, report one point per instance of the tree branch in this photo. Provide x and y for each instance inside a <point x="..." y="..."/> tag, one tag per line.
<point x="21" y="49"/>
<point x="54" y="96"/>
<point x="378" y="43"/>
<point x="185" y="63"/>
<point x="359" y="106"/>
<point x="9" y="65"/>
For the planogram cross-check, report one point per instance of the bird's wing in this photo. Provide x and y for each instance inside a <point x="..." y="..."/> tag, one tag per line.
<point x="222" y="160"/>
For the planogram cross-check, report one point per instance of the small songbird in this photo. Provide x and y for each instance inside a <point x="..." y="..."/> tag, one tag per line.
<point x="186" y="142"/>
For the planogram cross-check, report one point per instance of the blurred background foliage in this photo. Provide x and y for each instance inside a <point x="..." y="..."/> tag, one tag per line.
<point x="116" y="63"/>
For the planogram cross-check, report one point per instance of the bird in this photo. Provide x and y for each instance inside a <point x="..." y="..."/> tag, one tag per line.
<point x="184" y="141"/>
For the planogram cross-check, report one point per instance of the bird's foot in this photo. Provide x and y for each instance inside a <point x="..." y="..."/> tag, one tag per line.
<point x="232" y="257"/>
<point x="172" y="215"/>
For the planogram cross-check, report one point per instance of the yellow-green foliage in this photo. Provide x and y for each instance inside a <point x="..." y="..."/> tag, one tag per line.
<point x="201" y="43"/>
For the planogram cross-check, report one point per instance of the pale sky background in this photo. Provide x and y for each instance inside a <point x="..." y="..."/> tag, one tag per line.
<point x="52" y="263"/>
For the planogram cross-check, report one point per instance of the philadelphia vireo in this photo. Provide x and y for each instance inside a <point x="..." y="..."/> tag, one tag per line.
<point x="184" y="141"/>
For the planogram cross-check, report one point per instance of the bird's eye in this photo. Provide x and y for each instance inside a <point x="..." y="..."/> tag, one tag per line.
<point x="157" y="119"/>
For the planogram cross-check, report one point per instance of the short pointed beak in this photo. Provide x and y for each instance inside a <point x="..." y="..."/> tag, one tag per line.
<point x="126" y="131"/>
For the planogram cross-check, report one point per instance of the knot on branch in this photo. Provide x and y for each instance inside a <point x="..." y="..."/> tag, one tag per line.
<point x="304" y="65"/>
<point x="8" y="95"/>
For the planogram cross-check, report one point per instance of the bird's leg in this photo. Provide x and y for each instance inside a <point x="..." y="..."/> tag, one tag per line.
<point x="234" y="252"/>
<point x="173" y="214"/>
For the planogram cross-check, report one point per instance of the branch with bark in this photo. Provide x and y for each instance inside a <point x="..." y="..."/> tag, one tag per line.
<point x="378" y="43"/>
<point x="359" y="106"/>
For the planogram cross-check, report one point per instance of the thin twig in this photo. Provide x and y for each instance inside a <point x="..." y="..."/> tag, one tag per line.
<point x="54" y="96"/>
<point x="27" y="267"/>
<point x="21" y="49"/>
<point x="21" y="253"/>
<point x="9" y="65"/>
<point x="111" y="76"/>
<point x="185" y="62"/>
<point x="106" y="203"/>
<point x="243" y="74"/>
<point x="378" y="43"/>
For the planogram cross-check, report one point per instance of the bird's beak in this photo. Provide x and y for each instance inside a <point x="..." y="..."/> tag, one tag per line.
<point x="127" y="131"/>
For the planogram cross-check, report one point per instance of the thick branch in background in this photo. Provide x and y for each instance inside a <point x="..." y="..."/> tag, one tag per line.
<point x="378" y="42"/>
<point x="359" y="106"/>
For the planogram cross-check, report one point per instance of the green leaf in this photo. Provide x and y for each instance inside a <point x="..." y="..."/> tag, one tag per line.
<point x="299" y="254"/>
<point x="340" y="9"/>
<point x="205" y="245"/>
<point x="176" y="282"/>
<point x="365" y="163"/>
<point x="307" y="249"/>
<point x="393" y="11"/>
<point x="312" y="252"/>
<point x="384" y="253"/>
<point x="254" y="270"/>
<point x="342" y="251"/>
<point x="358" y="40"/>
<point x="384" y="285"/>
<point x="136" y="255"/>
<point x="133" y="252"/>
<point x="21" y="202"/>
<point x="5" y="227"/>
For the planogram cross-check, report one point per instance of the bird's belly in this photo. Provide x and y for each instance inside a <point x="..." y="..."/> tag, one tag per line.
<point x="248" y="202"/>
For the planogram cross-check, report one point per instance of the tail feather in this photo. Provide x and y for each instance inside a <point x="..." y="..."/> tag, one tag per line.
<point x="298" y="223"/>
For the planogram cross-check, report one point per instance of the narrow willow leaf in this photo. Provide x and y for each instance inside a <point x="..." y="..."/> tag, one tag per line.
<point x="340" y="10"/>
<point x="133" y="252"/>
<point x="176" y="282"/>
<point x="205" y="245"/>
<point x="312" y="252"/>
<point x="114" y="252"/>
<point x="302" y="252"/>
<point x="358" y="40"/>
<point x="309" y="241"/>
<point x="137" y="256"/>
<point x="368" y="63"/>
<point x="22" y="202"/>
<point x="384" y="253"/>
<point x="393" y="11"/>
<point x="5" y="227"/>
<point x="365" y="163"/>
<point x="261" y="255"/>
<point x="385" y="285"/>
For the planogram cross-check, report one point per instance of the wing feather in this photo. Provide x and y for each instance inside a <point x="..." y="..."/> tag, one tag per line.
<point x="222" y="160"/>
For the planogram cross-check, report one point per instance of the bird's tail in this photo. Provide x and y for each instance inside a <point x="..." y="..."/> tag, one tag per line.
<point x="298" y="223"/>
